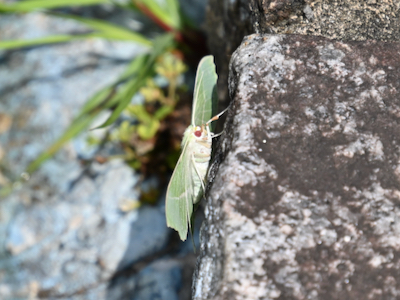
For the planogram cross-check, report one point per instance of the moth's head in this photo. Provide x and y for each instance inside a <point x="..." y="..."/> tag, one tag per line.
<point x="200" y="132"/>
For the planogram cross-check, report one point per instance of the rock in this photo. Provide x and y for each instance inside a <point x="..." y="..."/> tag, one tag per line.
<point x="160" y="280"/>
<point x="227" y="21"/>
<point x="356" y="20"/>
<point x="353" y="20"/>
<point x="304" y="204"/>
<point x="194" y="10"/>
<point x="62" y="233"/>
<point x="69" y="245"/>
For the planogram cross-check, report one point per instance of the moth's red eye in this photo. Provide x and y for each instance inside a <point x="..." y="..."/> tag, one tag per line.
<point x="197" y="133"/>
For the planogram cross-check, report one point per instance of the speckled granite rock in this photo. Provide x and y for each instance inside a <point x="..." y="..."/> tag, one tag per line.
<point x="305" y="204"/>
<point x="355" y="20"/>
<point x="227" y="21"/>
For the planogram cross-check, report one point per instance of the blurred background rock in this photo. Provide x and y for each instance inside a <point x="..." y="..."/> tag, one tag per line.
<point x="75" y="228"/>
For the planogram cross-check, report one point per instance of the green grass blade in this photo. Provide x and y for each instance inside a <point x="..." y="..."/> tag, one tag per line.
<point x="14" y="44"/>
<point x="54" y="39"/>
<point x="32" y="5"/>
<point x="99" y="101"/>
<point x="104" y="99"/>
<point x="128" y="91"/>
<point x="160" y="45"/>
<point x="89" y="112"/>
<point x="134" y="67"/>
<point x="78" y="125"/>
<point x="173" y="10"/>
<point x="108" y="30"/>
<point x="167" y="13"/>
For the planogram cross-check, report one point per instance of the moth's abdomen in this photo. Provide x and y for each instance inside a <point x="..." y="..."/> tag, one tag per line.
<point x="201" y="158"/>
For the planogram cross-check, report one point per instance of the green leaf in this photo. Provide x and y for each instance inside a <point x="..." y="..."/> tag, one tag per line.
<point x="125" y="131"/>
<point x="148" y="126"/>
<point x="163" y="112"/>
<point x="148" y="130"/>
<point x="32" y="5"/>
<point x="160" y="45"/>
<point x="140" y="113"/>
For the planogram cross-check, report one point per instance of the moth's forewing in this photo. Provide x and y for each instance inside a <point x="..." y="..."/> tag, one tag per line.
<point x="179" y="199"/>
<point x="205" y="98"/>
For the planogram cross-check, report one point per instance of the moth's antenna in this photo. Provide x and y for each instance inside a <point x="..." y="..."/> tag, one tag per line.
<point x="217" y="116"/>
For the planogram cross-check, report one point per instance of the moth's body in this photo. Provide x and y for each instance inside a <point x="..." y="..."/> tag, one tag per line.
<point x="198" y="140"/>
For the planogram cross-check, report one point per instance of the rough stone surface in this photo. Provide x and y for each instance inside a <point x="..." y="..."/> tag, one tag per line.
<point x="229" y="22"/>
<point x="306" y="201"/>
<point x="355" y="20"/>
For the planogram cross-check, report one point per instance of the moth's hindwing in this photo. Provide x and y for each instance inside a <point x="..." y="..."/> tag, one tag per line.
<point x="180" y="193"/>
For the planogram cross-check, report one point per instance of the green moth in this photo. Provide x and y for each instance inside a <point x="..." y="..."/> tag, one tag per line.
<point x="187" y="183"/>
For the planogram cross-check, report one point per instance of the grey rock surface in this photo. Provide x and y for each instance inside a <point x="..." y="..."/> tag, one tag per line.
<point x="229" y="22"/>
<point x="62" y="233"/>
<point x="305" y="203"/>
<point x="355" y="20"/>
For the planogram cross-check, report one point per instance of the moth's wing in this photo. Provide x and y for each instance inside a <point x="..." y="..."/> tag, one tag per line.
<point x="180" y="193"/>
<point x="205" y="98"/>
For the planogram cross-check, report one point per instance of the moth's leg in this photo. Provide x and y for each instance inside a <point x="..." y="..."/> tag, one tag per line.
<point x="209" y="133"/>
<point x="198" y="173"/>
<point x="213" y="135"/>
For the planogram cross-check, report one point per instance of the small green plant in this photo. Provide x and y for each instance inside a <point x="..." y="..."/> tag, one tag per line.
<point x="138" y="134"/>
